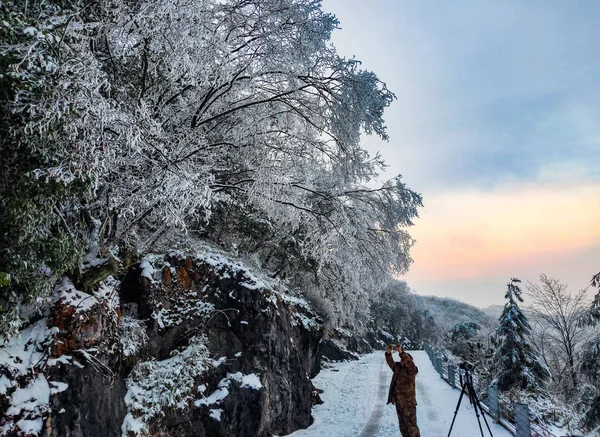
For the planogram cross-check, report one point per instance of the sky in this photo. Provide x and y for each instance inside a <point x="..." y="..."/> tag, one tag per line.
<point x="497" y="124"/>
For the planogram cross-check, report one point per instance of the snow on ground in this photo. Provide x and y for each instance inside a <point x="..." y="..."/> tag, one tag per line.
<point x="350" y="395"/>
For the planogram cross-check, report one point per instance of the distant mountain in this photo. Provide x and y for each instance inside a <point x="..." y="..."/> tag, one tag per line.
<point x="447" y="312"/>
<point x="493" y="311"/>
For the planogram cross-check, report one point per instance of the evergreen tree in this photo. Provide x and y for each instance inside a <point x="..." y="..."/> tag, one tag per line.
<point x="516" y="362"/>
<point x="590" y="358"/>
<point x="595" y="307"/>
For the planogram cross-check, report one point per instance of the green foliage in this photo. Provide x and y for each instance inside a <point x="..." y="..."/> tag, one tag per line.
<point x="4" y="279"/>
<point x="35" y="243"/>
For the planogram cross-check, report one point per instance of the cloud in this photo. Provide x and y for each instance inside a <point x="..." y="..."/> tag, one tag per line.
<point x="487" y="92"/>
<point x="496" y="123"/>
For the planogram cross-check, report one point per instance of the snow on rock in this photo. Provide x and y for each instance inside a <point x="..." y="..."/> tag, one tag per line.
<point x="303" y="314"/>
<point x="272" y="300"/>
<point x="152" y="267"/>
<point x="29" y="426"/>
<point x="215" y="413"/>
<point x="21" y="353"/>
<point x="5" y="384"/>
<point x="147" y="270"/>
<point x="251" y="381"/>
<point x="387" y="335"/>
<point x="63" y="359"/>
<point x="226" y="268"/>
<point x="217" y="363"/>
<point x="133" y="336"/>
<point x="173" y="308"/>
<point x="24" y="390"/>
<point x="184" y="306"/>
<point x="57" y="387"/>
<point x="154" y="386"/>
<point x="84" y="320"/>
<point x="210" y="268"/>
<point x="66" y="294"/>
<point x="29" y="399"/>
<point x="184" y="293"/>
<point x="216" y="397"/>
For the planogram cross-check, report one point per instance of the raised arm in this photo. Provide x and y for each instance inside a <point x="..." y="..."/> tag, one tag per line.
<point x="388" y="357"/>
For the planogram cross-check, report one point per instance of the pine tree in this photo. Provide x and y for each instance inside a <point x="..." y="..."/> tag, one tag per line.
<point x="590" y="357"/>
<point x="517" y="365"/>
<point x="595" y="307"/>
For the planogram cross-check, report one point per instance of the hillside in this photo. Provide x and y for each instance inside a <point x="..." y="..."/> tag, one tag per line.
<point x="448" y="312"/>
<point x="494" y="311"/>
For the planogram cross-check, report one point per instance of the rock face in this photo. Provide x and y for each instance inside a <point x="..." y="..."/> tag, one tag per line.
<point x="274" y="345"/>
<point x="263" y="349"/>
<point x="92" y="405"/>
<point x="343" y="345"/>
<point x="337" y="351"/>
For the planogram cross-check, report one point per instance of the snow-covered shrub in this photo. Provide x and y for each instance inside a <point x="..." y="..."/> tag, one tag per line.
<point x="251" y="381"/>
<point x="548" y="416"/>
<point x="589" y="361"/>
<point x="154" y="386"/>
<point x="463" y="340"/>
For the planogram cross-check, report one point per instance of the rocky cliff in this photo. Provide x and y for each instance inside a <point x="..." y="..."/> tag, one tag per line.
<point x="179" y="346"/>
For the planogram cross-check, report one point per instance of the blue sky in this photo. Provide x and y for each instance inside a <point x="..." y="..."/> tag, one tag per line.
<point x="498" y="105"/>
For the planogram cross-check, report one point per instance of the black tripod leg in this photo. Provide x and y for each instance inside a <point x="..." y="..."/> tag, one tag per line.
<point x="462" y="393"/>
<point x="478" y="404"/>
<point x="473" y="399"/>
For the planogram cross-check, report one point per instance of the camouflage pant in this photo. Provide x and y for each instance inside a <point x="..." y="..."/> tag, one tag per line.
<point x="408" y="421"/>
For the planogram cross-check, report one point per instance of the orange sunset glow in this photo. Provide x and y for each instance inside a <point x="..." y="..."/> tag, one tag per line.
<point x="519" y="229"/>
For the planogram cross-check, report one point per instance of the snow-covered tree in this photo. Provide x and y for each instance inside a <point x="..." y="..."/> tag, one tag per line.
<point x="463" y="340"/>
<point x="558" y="332"/>
<point x="132" y="123"/>
<point x="395" y="310"/>
<point x="590" y="361"/>
<point x="464" y="331"/>
<point x="517" y="363"/>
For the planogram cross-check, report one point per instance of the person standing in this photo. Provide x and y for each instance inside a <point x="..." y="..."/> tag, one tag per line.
<point x="402" y="391"/>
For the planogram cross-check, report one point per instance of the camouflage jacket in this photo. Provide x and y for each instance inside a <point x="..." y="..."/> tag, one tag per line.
<point x="402" y="387"/>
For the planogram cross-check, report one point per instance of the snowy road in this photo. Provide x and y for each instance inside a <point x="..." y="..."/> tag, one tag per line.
<point x="355" y="393"/>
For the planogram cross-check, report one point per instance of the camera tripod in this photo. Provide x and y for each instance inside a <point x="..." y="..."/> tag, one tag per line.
<point x="467" y="387"/>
